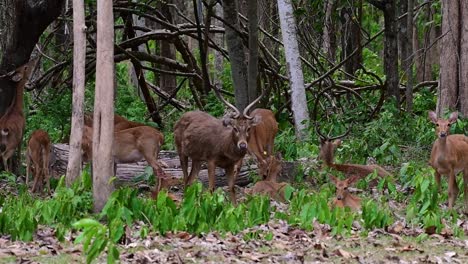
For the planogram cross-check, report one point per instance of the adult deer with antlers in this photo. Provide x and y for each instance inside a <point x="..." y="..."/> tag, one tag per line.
<point x="37" y="158"/>
<point x="327" y="154"/>
<point x="449" y="156"/>
<point x="12" y="122"/>
<point x="223" y="143"/>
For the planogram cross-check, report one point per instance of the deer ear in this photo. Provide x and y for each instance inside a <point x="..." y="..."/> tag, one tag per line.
<point x="433" y="117"/>
<point x="353" y="179"/>
<point x="337" y="142"/>
<point x="256" y="120"/>
<point x="333" y="178"/>
<point x="227" y="121"/>
<point x="453" y="117"/>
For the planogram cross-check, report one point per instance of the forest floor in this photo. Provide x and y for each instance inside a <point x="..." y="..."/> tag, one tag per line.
<point x="274" y="242"/>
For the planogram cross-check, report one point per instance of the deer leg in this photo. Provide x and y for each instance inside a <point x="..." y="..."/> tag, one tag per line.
<point x="465" y="192"/>
<point x="37" y="177"/>
<point x="211" y="175"/>
<point x="196" y="166"/>
<point x="184" y="166"/>
<point x="5" y="164"/>
<point x="231" y="177"/>
<point x="452" y="189"/>
<point x="437" y="179"/>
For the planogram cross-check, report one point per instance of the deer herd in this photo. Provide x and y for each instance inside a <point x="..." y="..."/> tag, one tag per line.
<point x="222" y="143"/>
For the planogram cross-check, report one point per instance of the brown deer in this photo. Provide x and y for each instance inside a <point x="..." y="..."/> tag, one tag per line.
<point x="274" y="190"/>
<point x="12" y="122"/>
<point x="449" y="156"/>
<point x="223" y="143"/>
<point x="327" y="153"/>
<point x="132" y="145"/>
<point x="343" y="197"/>
<point x="120" y="123"/>
<point x="37" y="158"/>
<point x="261" y="144"/>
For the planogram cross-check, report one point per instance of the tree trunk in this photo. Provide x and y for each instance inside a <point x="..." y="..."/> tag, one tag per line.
<point x="79" y="80"/>
<point x="391" y="50"/>
<point x="449" y="70"/>
<point x="291" y="49"/>
<point x="329" y="31"/>
<point x="219" y="40"/>
<point x="408" y="58"/>
<point x="21" y="24"/>
<point x="463" y="60"/>
<point x="167" y="82"/>
<point x="236" y="54"/>
<point x="351" y="37"/>
<point x="103" y="124"/>
<point x="253" y="49"/>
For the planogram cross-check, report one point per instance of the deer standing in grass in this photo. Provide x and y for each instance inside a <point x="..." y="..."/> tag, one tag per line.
<point x="132" y="145"/>
<point x="327" y="154"/>
<point x="223" y="143"/>
<point x="261" y="144"/>
<point x="449" y="156"/>
<point x="37" y="158"/>
<point x="12" y="122"/>
<point x="343" y="197"/>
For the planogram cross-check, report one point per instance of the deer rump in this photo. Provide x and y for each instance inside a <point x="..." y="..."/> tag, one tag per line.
<point x="37" y="158"/>
<point x="202" y="137"/>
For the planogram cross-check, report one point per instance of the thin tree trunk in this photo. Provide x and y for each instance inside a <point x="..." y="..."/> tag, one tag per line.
<point x="167" y="82"/>
<point x="329" y="30"/>
<point x="464" y="60"/>
<point x="219" y="40"/>
<point x="236" y="54"/>
<point x="79" y="63"/>
<point x="391" y="51"/>
<point x="449" y="71"/>
<point x="253" y="49"/>
<point x="291" y="49"/>
<point x="103" y="125"/>
<point x="409" y="57"/>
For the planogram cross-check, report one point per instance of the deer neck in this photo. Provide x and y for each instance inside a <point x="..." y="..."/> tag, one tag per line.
<point x="442" y="144"/>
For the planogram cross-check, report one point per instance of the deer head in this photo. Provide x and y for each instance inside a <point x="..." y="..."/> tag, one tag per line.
<point x="342" y="192"/>
<point x="240" y="123"/>
<point x="443" y="125"/>
<point x="329" y="144"/>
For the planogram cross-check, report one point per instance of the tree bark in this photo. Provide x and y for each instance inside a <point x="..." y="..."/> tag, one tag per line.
<point x="219" y="40"/>
<point x="329" y="37"/>
<point x="167" y="82"/>
<point x="21" y="24"/>
<point x="236" y="54"/>
<point x="449" y="70"/>
<point x="463" y="58"/>
<point x="351" y="19"/>
<point x="291" y="49"/>
<point x="253" y="49"/>
<point x="79" y="80"/>
<point x="406" y="47"/>
<point x="103" y="122"/>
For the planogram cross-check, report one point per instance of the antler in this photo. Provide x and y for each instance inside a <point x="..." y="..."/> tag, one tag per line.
<point x="247" y="108"/>
<point x="317" y="128"/>
<point x="220" y="97"/>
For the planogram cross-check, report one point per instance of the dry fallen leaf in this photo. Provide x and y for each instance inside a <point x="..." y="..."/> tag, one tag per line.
<point x="396" y="228"/>
<point x="343" y="253"/>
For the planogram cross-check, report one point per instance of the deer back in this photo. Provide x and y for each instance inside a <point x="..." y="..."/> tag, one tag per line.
<point x="263" y="134"/>
<point x="39" y="146"/>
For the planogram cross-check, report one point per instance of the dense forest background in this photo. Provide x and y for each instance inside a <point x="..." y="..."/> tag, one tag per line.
<point x="367" y="69"/>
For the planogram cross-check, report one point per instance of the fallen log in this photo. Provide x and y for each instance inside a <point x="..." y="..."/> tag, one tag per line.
<point x="126" y="173"/>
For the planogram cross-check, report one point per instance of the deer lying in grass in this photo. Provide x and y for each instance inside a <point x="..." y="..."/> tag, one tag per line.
<point x="275" y="190"/>
<point x="343" y="197"/>
<point x="261" y="144"/>
<point x="37" y="158"/>
<point x="449" y="156"/>
<point x="12" y="122"/>
<point x="223" y="143"/>
<point x="327" y="154"/>
<point x="132" y="145"/>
